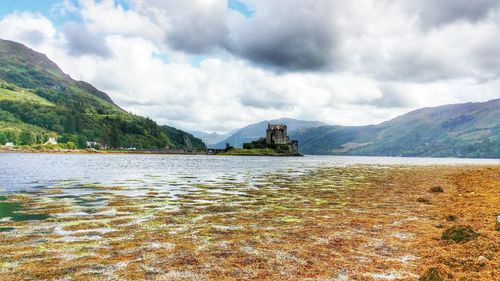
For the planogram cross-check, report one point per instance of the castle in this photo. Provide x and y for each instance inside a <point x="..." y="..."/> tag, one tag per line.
<point x="276" y="139"/>
<point x="277" y="134"/>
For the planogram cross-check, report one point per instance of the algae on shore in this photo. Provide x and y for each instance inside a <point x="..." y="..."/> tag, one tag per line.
<point x="359" y="222"/>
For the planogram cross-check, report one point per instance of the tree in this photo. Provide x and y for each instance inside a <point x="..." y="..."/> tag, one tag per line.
<point x="65" y="138"/>
<point x="82" y="141"/>
<point x="3" y="138"/>
<point x="114" y="136"/>
<point x="71" y="145"/>
<point x="26" y="138"/>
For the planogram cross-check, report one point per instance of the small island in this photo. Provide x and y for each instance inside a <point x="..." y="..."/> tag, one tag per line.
<point x="276" y="143"/>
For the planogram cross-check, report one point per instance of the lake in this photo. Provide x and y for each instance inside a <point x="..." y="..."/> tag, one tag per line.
<point x="27" y="172"/>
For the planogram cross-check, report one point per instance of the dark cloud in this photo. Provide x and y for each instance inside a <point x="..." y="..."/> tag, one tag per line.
<point x="388" y="40"/>
<point x="439" y="12"/>
<point x="263" y="101"/>
<point x="198" y="36"/>
<point x="195" y="26"/>
<point x="303" y="48"/>
<point x="82" y="42"/>
<point x="288" y="35"/>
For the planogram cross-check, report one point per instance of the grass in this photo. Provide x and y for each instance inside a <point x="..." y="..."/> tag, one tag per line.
<point x="23" y="96"/>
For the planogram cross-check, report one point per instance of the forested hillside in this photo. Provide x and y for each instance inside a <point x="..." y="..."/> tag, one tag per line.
<point x="38" y="101"/>
<point x="457" y="130"/>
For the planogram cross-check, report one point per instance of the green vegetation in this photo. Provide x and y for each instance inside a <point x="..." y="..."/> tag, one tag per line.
<point x="257" y="152"/>
<point x="39" y="101"/>
<point x="20" y="95"/>
<point x="432" y="274"/>
<point x="459" y="234"/>
<point x="436" y="189"/>
<point x="179" y="136"/>
<point x="261" y="144"/>
<point x="12" y="211"/>
<point x="461" y="130"/>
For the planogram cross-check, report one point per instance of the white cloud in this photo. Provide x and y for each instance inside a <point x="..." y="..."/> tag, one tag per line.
<point x="339" y="62"/>
<point x="33" y="30"/>
<point x="108" y="17"/>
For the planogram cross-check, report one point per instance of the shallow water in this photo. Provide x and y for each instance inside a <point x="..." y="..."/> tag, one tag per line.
<point x="28" y="172"/>
<point x="136" y="217"/>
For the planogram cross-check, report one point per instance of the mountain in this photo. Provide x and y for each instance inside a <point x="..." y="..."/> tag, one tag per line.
<point x="38" y="101"/>
<point x="457" y="130"/>
<point x="258" y="130"/>
<point x="210" y="138"/>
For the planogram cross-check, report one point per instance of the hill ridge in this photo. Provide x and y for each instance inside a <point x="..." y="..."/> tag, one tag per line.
<point x="38" y="100"/>
<point x="456" y="130"/>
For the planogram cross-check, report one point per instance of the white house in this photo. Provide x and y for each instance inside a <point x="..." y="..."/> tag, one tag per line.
<point x="51" y="141"/>
<point x="92" y="144"/>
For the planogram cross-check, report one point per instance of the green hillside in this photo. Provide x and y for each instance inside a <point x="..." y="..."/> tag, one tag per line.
<point x="38" y="101"/>
<point x="459" y="130"/>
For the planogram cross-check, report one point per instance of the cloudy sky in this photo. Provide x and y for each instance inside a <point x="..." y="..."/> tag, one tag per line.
<point x="217" y="65"/>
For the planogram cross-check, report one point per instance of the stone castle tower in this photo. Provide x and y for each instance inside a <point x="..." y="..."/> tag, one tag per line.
<point x="277" y="134"/>
<point x="277" y="139"/>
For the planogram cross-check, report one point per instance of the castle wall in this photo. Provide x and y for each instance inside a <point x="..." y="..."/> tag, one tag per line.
<point x="277" y="134"/>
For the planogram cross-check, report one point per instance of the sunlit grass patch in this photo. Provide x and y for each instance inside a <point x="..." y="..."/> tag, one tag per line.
<point x="289" y="219"/>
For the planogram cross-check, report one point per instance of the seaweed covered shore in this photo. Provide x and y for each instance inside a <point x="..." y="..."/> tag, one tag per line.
<point x="343" y="223"/>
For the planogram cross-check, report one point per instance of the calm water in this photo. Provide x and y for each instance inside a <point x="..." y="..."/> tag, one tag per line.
<point x="27" y="172"/>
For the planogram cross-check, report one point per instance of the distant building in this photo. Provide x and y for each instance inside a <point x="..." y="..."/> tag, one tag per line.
<point x="277" y="134"/>
<point x="93" y="144"/>
<point x="276" y="138"/>
<point x="50" y="141"/>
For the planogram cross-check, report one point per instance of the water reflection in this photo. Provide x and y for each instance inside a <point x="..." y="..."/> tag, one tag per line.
<point x="20" y="171"/>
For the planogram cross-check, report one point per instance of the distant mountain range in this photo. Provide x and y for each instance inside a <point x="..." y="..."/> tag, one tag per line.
<point x="38" y="101"/>
<point x="210" y="138"/>
<point x="258" y="130"/>
<point x="457" y="130"/>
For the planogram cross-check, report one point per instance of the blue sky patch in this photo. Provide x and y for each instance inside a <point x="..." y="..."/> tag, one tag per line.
<point x="240" y="7"/>
<point x="39" y="6"/>
<point x="42" y="7"/>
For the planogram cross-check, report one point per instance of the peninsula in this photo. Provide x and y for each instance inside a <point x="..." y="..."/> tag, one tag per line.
<point x="276" y="143"/>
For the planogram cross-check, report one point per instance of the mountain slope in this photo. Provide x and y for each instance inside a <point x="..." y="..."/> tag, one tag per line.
<point x="458" y="130"/>
<point x="210" y="138"/>
<point x="38" y="100"/>
<point x="258" y="130"/>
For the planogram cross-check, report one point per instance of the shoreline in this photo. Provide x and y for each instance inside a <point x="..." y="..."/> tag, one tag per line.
<point x="137" y="152"/>
<point x="358" y="222"/>
<point x="93" y="151"/>
<point x="111" y="152"/>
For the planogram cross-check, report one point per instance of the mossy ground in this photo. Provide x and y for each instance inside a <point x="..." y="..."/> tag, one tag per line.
<point x="358" y="222"/>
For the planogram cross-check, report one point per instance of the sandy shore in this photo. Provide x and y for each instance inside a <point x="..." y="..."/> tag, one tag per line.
<point x="352" y="223"/>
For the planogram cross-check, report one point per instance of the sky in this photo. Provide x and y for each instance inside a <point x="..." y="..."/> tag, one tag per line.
<point x="217" y="65"/>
